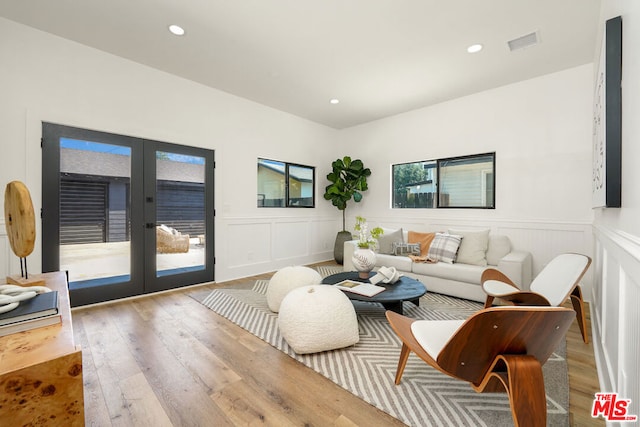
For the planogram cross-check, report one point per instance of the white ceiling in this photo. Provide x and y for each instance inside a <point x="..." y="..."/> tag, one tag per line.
<point x="379" y="57"/>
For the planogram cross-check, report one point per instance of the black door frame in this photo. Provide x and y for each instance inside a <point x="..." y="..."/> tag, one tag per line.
<point x="153" y="282"/>
<point x="143" y="278"/>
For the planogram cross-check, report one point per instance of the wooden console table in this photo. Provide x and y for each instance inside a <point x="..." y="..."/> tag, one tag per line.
<point x="41" y="370"/>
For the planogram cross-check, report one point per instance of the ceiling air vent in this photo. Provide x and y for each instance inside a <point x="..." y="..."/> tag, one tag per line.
<point x="524" y="41"/>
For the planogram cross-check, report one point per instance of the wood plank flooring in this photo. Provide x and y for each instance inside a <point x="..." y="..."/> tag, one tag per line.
<point x="165" y="359"/>
<point x="583" y="377"/>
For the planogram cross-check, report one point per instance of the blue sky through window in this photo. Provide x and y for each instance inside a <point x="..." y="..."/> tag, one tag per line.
<point x="98" y="147"/>
<point x="77" y="144"/>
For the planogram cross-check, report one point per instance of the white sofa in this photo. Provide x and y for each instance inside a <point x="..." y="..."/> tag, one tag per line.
<point x="457" y="279"/>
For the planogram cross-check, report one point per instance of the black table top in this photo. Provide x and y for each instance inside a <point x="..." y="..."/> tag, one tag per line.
<point x="405" y="289"/>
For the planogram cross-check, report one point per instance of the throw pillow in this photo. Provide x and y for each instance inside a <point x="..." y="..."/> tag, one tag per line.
<point x="406" y="249"/>
<point x="424" y="239"/>
<point x="473" y="248"/>
<point x="387" y="239"/>
<point x="499" y="247"/>
<point x="444" y="247"/>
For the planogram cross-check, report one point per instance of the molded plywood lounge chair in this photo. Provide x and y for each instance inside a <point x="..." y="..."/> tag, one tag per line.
<point x="497" y="349"/>
<point x="559" y="280"/>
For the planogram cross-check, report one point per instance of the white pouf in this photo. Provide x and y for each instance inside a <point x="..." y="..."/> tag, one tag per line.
<point x="318" y="318"/>
<point x="287" y="279"/>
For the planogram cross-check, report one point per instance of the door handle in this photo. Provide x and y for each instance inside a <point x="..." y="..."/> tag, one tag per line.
<point x="150" y="225"/>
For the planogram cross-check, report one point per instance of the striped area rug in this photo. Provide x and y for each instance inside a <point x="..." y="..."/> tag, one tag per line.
<point x="425" y="396"/>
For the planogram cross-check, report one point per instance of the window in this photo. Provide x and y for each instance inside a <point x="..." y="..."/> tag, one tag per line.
<point x="457" y="182"/>
<point x="283" y="184"/>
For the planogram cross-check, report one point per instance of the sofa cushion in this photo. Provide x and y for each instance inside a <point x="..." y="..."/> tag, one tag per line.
<point x="387" y="239"/>
<point x="473" y="247"/>
<point x="424" y="239"/>
<point x="401" y="263"/>
<point x="444" y="247"/>
<point x="498" y="248"/>
<point x="459" y="272"/>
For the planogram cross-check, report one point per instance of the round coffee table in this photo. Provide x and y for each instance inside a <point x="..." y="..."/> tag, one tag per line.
<point x="405" y="289"/>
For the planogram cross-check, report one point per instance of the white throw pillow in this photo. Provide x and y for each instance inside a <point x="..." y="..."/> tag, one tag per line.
<point x="499" y="247"/>
<point x="473" y="248"/>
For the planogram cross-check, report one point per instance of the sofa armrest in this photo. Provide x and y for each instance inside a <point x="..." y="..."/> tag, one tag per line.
<point x="349" y="247"/>
<point x="517" y="266"/>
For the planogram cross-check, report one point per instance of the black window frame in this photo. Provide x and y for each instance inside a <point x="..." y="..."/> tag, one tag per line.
<point x="436" y="199"/>
<point x="289" y="202"/>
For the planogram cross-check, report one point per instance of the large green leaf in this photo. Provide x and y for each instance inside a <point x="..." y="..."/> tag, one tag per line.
<point x="348" y="180"/>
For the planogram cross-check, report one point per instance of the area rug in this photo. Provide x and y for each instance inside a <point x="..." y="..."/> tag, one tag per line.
<point x="425" y="397"/>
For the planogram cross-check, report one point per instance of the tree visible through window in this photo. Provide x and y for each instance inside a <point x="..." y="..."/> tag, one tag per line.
<point x="457" y="182"/>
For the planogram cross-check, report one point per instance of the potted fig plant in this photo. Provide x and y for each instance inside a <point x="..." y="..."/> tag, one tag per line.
<point x="348" y="180"/>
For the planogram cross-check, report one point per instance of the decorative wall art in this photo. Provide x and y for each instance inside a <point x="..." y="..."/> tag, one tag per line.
<point x="607" y="120"/>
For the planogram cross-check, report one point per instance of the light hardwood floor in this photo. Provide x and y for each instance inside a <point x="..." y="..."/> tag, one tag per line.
<point x="165" y="359"/>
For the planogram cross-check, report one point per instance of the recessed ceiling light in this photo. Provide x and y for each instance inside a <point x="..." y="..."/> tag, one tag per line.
<point x="474" y="48"/>
<point x="335" y="101"/>
<point x="177" y="30"/>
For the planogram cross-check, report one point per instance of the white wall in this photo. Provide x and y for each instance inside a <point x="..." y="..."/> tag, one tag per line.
<point x="616" y="294"/>
<point x="540" y="130"/>
<point x="46" y="78"/>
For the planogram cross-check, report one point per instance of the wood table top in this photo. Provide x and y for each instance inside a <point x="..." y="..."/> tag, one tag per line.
<point x="26" y="348"/>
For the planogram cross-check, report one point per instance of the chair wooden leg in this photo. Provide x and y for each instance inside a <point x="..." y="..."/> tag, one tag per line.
<point x="489" y="301"/>
<point x="522" y="378"/>
<point x="578" y="306"/>
<point x="404" y="356"/>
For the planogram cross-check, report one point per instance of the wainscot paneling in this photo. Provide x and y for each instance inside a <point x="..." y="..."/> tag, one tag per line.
<point x="615" y="314"/>
<point x="544" y="239"/>
<point x="5" y="252"/>
<point x="249" y="246"/>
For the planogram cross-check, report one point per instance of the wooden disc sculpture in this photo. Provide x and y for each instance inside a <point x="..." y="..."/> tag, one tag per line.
<point x="20" y="222"/>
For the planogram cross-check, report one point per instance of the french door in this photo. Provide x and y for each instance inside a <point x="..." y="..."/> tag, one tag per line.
<point x="125" y="216"/>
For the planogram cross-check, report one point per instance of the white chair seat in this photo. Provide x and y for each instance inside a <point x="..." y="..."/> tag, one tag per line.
<point x="432" y="335"/>
<point x="565" y="268"/>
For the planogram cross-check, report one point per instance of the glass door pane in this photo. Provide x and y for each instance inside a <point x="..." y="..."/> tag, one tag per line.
<point x="92" y="222"/>
<point x="95" y="200"/>
<point x="180" y="213"/>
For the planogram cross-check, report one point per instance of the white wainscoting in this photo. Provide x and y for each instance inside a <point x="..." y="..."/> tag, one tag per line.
<point x="249" y="246"/>
<point x="544" y="239"/>
<point x="615" y="313"/>
<point x="5" y="253"/>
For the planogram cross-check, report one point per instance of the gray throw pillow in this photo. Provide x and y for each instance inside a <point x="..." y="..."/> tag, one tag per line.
<point x="386" y="241"/>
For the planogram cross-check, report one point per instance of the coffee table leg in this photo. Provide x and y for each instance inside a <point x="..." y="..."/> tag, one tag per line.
<point x="393" y="306"/>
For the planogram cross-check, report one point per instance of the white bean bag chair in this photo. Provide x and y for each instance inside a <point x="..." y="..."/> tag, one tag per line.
<point x="287" y="279"/>
<point x="318" y="318"/>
